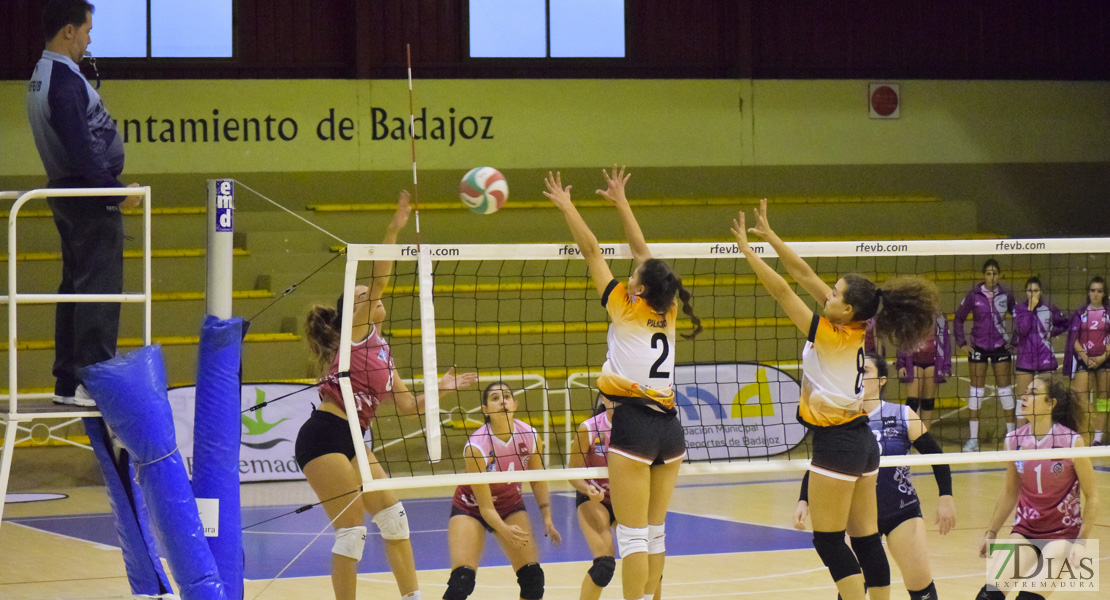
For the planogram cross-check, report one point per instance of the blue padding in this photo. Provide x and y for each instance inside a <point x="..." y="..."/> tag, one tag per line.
<point x="130" y="392"/>
<point x="140" y="555"/>
<point x="217" y="429"/>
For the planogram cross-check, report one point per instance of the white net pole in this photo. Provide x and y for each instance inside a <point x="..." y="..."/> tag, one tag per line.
<point x="349" y="406"/>
<point x="432" y="432"/>
<point x="221" y="247"/>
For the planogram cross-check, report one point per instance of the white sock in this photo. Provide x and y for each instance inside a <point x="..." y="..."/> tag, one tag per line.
<point x="1009" y="427"/>
<point x="412" y="596"/>
<point x="974" y="429"/>
<point x="1097" y="437"/>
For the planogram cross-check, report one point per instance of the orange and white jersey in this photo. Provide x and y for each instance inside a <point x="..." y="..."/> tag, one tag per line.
<point x="832" y="373"/>
<point x="641" y="346"/>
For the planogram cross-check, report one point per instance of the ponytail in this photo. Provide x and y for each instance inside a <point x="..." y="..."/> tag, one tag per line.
<point x="321" y="329"/>
<point x="905" y="308"/>
<point x="688" y="310"/>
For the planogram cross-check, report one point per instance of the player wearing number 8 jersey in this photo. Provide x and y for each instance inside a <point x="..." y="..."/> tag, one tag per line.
<point x="845" y="455"/>
<point x="646" y="446"/>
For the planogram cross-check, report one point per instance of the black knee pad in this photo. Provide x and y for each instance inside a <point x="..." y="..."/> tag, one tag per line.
<point x="530" y="579"/>
<point x="1029" y="596"/>
<point x="929" y="593"/>
<point x="872" y="560"/>
<point x="460" y="584"/>
<point x="989" y="592"/>
<point x="835" y="554"/>
<point x="602" y="570"/>
<point x="914" y="404"/>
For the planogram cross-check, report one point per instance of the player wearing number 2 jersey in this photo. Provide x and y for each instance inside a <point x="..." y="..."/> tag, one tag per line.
<point x="646" y="446"/>
<point x="1045" y="492"/>
<point x="845" y="455"/>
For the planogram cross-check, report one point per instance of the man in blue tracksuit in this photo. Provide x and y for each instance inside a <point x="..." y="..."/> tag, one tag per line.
<point x="80" y="147"/>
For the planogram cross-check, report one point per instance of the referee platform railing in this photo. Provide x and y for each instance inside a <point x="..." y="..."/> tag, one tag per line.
<point x="18" y="409"/>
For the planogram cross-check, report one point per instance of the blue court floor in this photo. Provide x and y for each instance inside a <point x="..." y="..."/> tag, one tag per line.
<point x="271" y="546"/>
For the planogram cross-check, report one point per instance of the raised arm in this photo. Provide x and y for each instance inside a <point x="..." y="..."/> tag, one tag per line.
<point x="384" y="268"/>
<point x="795" y="308"/>
<point x="798" y="268"/>
<point x="615" y="193"/>
<point x="587" y="242"/>
<point x="409" y="404"/>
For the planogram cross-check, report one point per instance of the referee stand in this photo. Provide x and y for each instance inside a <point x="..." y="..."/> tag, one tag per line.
<point x="17" y="409"/>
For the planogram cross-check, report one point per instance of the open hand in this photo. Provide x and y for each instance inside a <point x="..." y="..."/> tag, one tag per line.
<point x="555" y="190"/>
<point x="615" y="182"/>
<point x="762" y="227"/>
<point x="451" y="381"/>
<point x="741" y="232"/>
<point x="516" y="536"/>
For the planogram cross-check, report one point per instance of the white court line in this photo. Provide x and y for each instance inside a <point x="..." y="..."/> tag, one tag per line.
<point x="96" y="545"/>
<point x="302" y="533"/>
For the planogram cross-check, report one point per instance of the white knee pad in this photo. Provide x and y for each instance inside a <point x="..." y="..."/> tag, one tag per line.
<point x="1006" y="397"/>
<point x="631" y="540"/>
<point x="975" y="398"/>
<point x="657" y="539"/>
<point x="349" y="542"/>
<point x="393" y="522"/>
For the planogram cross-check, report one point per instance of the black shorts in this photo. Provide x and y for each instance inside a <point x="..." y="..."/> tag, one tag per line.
<point x="1082" y="366"/>
<point x="888" y="523"/>
<point x="919" y="404"/>
<point x="323" y="433"/>
<point x="1031" y="371"/>
<point x="646" y="435"/>
<point x="456" y="511"/>
<point x="845" y="452"/>
<point x="929" y="365"/>
<point x="580" y="499"/>
<point x="995" y="356"/>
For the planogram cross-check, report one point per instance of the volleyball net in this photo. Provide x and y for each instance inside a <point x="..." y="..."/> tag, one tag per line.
<point x="528" y="315"/>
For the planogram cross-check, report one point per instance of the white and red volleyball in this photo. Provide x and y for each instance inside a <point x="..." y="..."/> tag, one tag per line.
<point x="484" y="190"/>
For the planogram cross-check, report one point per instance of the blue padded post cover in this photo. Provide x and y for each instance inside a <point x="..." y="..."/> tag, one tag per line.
<point x="130" y="391"/>
<point x="217" y="431"/>
<point x="136" y="540"/>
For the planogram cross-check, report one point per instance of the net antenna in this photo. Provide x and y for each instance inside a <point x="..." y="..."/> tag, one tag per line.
<point x="432" y="432"/>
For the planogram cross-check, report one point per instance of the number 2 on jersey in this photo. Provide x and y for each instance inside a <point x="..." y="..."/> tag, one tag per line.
<point x="655" y="372"/>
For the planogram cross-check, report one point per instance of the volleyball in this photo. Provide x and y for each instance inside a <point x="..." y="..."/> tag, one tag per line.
<point x="484" y="190"/>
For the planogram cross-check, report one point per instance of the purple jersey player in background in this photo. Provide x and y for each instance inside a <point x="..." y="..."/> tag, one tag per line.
<point x="1085" y="356"/>
<point x="988" y="303"/>
<point x="1036" y="322"/>
<point x="1046" y="493"/>
<point x="923" y="369"/>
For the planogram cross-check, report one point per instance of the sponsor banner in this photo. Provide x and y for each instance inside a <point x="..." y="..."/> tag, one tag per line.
<point x="266" y="449"/>
<point x="737" y="410"/>
<point x="1043" y="566"/>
